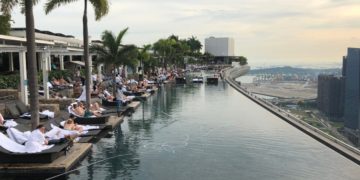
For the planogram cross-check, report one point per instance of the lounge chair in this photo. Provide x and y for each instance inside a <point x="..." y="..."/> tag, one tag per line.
<point x="109" y="103"/>
<point x="12" y="152"/>
<point x="87" y="120"/>
<point x="91" y="120"/>
<point x="129" y="93"/>
<point x="18" y="109"/>
<point x="180" y="80"/>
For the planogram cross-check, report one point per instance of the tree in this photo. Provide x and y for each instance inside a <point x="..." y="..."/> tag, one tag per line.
<point x="163" y="48"/>
<point x="144" y="56"/>
<point x="208" y="57"/>
<point x="101" y="8"/>
<point x="5" y="25"/>
<point x="194" y="44"/>
<point x="27" y="8"/>
<point x="112" y="53"/>
<point x="242" y="60"/>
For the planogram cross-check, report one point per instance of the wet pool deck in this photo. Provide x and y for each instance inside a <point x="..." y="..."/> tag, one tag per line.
<point x="115" y="121"/>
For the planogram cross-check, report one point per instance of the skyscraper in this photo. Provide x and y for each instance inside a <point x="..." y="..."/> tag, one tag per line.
<point x="352" y="89"/>
<point x="330" y="99"/>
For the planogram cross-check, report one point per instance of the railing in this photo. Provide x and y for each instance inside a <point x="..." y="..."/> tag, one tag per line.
<point x="231" y="74"/>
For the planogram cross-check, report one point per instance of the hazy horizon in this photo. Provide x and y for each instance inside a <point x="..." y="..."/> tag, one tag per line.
<point x="301" y="32"/>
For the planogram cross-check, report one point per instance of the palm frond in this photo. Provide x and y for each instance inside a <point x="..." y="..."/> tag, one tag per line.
<point x="109" y="41"/>
<point x="121" y="35"/>
<point x="52" y="4"/>
<point x="101" y="8"/>
<point x="6" y="6"/>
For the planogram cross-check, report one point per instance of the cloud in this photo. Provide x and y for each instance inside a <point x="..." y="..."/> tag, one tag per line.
<point x="277" y="30"/>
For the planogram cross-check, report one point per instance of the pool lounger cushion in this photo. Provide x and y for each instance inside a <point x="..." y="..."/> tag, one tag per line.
<point x="91" y="120"/>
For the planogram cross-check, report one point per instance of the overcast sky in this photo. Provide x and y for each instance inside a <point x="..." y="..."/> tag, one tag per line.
<point x="267" y="32"/>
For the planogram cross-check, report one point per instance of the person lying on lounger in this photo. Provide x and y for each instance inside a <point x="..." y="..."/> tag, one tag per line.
<point x="79" y="111"/>
<point x="71" y="125"/>
<point x="90" y="112"/>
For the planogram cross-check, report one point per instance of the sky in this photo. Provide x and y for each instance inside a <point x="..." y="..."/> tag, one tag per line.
<point x="267" y="32"/>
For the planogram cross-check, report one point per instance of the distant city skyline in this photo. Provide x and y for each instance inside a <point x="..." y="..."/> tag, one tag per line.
<point x="278" y="32"/>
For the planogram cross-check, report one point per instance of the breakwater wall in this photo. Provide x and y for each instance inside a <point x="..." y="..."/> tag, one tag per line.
<point x="339" y="146"/>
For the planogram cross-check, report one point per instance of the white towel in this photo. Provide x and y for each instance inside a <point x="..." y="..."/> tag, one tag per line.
<point x="17" y="136"/>
<point x="10" y="123"/>
<point x="48" y="113"/>
<point x="12" y="146"/>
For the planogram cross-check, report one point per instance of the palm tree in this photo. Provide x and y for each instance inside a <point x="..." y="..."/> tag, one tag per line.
<point x="27" y="7"/>
<point x="112" y="53"/>
<point x="101" y="8"/>
<point x="195" y="44"/>
<point x="143" y="56"/>
<point x="164" y="49"/>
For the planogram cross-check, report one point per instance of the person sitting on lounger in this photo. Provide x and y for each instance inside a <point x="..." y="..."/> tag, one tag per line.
<point x="71" y="125"/>
<point x="36" y="139"/>
<point x="106" y="95"/>
<point x="121" y="97"/>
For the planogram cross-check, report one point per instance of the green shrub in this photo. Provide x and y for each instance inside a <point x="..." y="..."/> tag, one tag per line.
<point x="9" y="81"/>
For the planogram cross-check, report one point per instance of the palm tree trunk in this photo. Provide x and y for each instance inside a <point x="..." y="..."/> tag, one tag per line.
<point x="32" y="64"/>
<point x="86" y="56"/>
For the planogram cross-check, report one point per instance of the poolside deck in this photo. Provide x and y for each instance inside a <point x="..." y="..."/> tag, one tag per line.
<point x="115" y="121"/>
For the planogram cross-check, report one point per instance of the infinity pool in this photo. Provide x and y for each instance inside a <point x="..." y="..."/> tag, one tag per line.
<point x="210" y="132"/>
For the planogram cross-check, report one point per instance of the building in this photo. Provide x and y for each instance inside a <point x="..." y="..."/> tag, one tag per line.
<point x="221" y="48"/>
<point x="51" y="48"/>
<point x="330" y="96"/>
<point x="351" y="70"/>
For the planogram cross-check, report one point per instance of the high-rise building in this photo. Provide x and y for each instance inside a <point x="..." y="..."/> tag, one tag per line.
<point x="330" y="99"/>
<point x="220" y="47"/>
<point x="343" y="71"/>
<point x="351" y="70"/>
